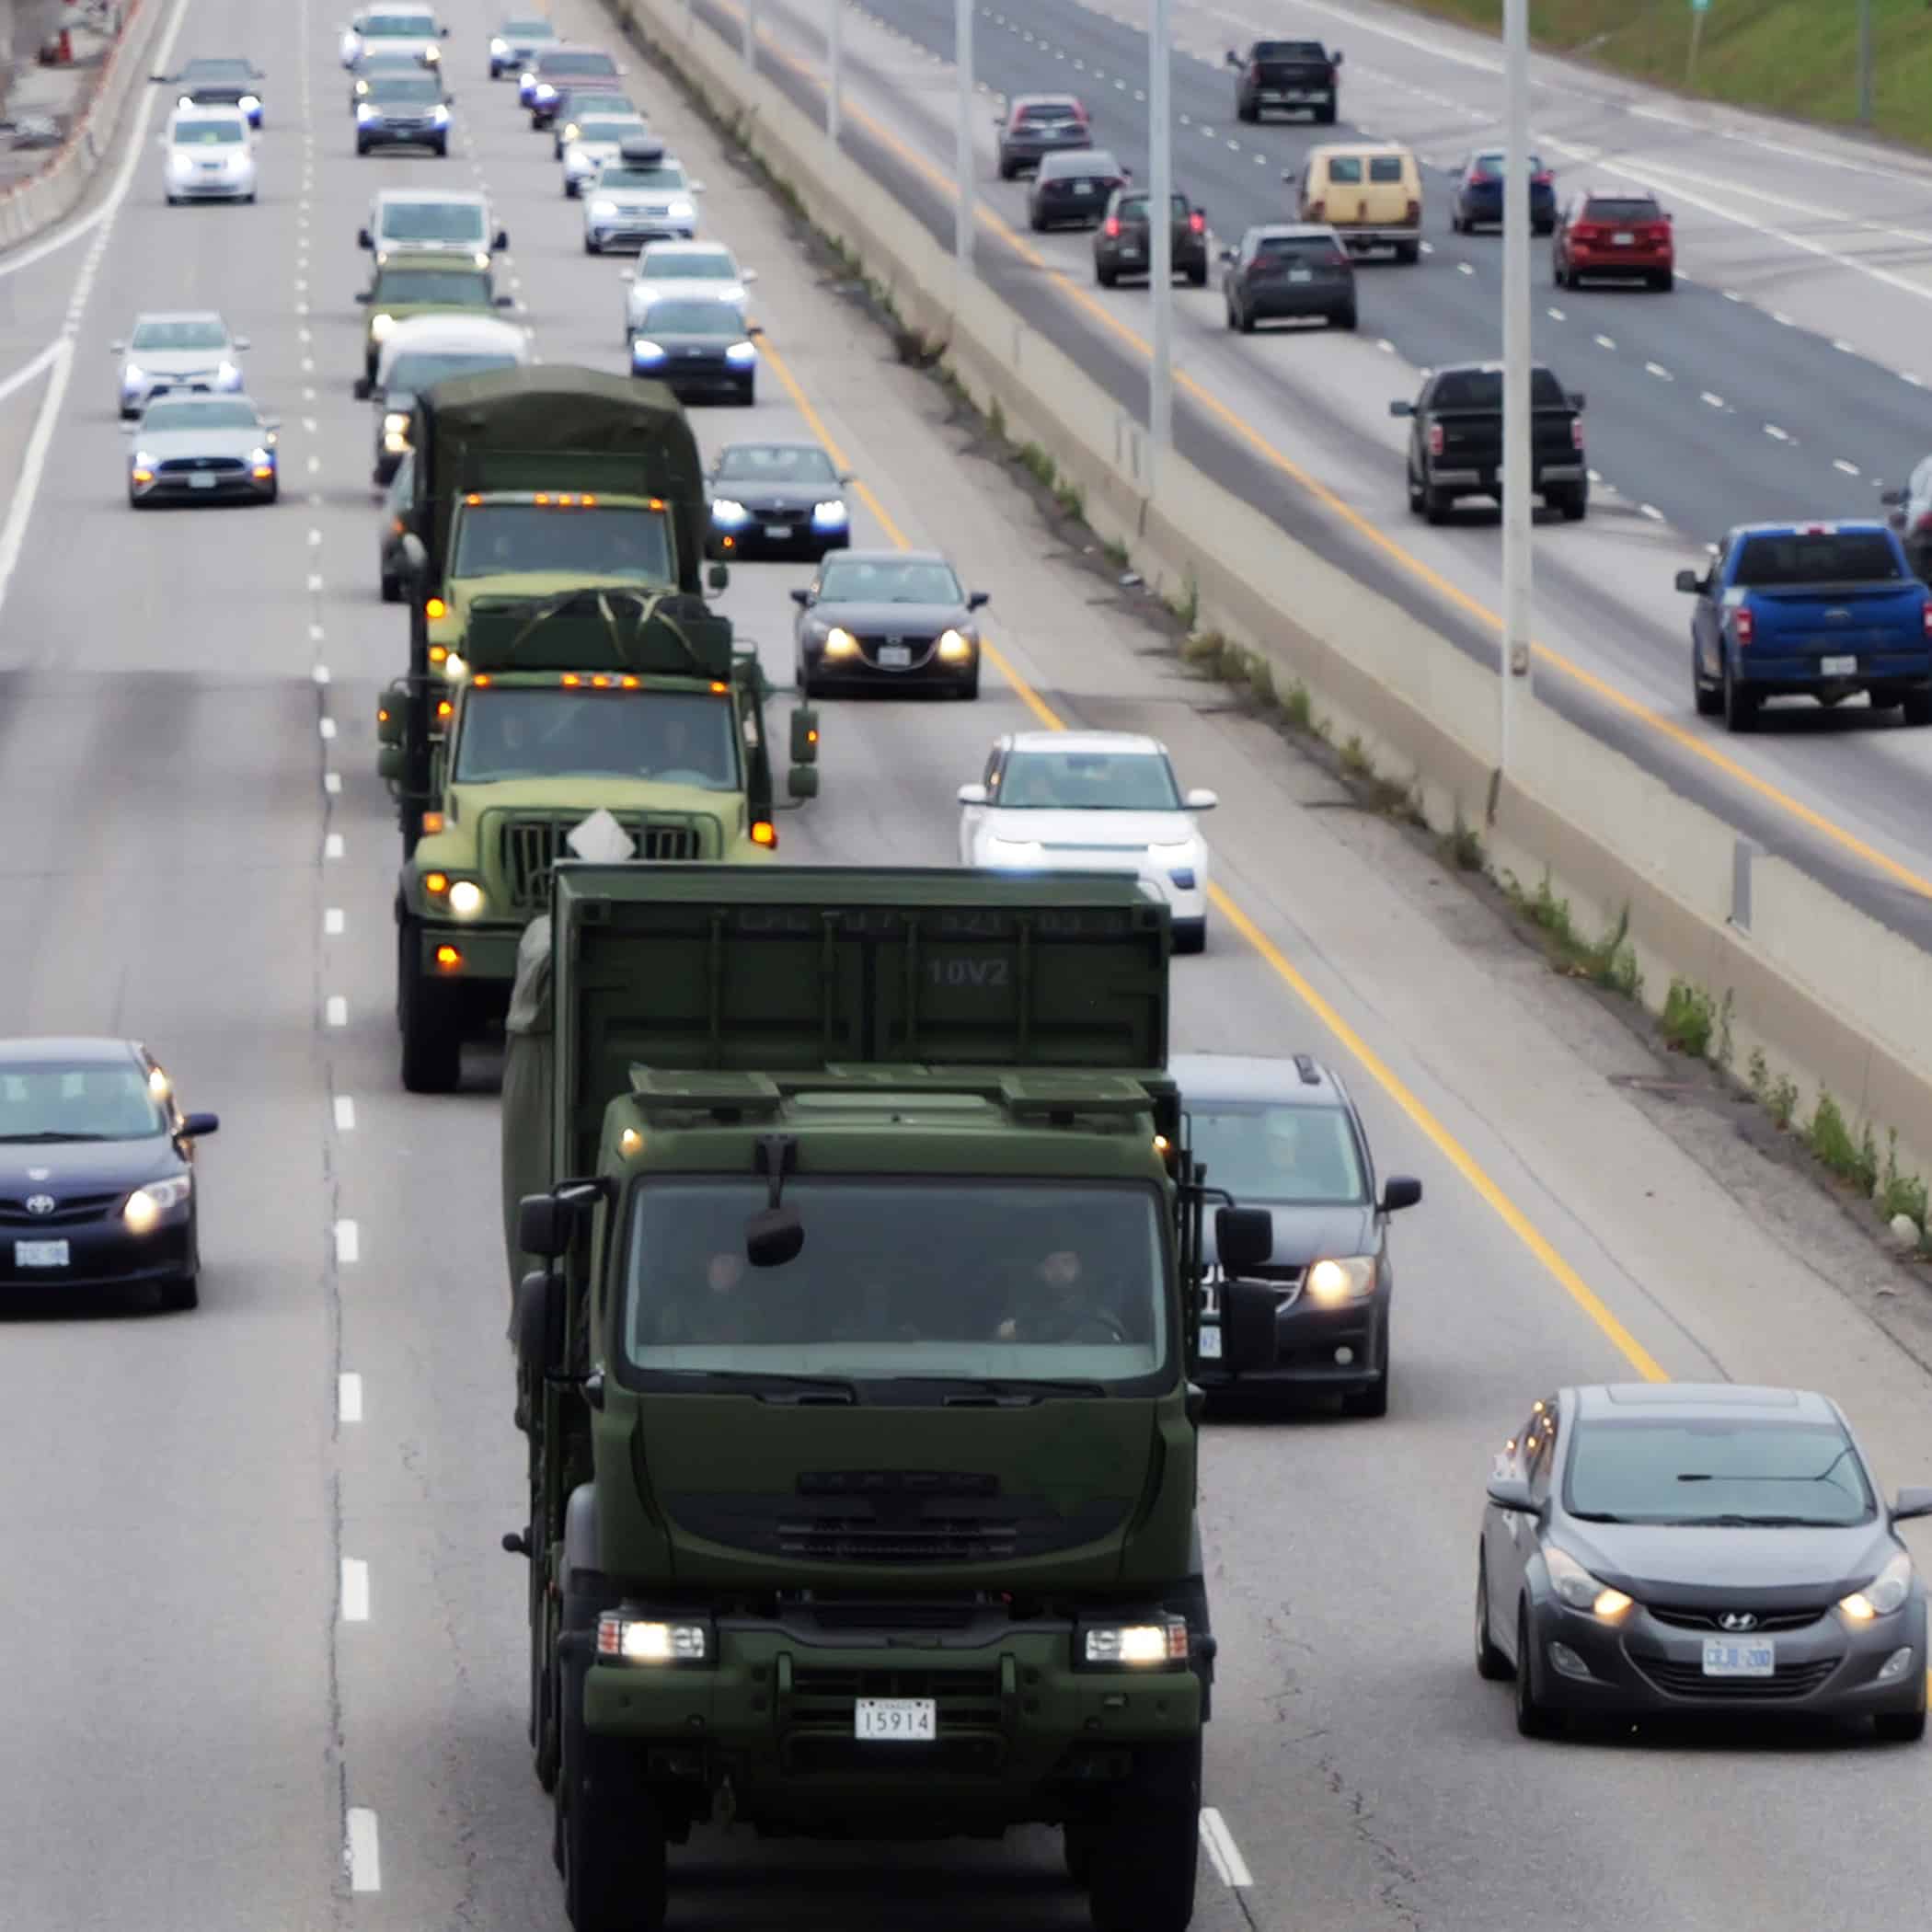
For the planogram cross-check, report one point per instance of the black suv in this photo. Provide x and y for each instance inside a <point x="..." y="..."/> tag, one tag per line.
<point x="1286" y="271"/>
<point x="1038" y="124"/>
<point x="1123" y="243"/>
<point x="1285" y="1135"/>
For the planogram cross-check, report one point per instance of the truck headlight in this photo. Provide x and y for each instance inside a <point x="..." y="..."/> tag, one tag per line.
<point x="1135" y="1646"/>
<point x="681" y="212"/>
<point x="1887" y="1592"/>
<point x="602" y="210"/>
<point x="643" y="1640"/>
<point x="466" y="898"/>
<point x="145" y="1205"/>
<point x="1580" y="1589"/>
<point x="1347" y="1279"/>
<point x="380" y="326"/>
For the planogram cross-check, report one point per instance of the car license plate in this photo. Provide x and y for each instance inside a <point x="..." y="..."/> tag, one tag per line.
<point x="1275" y="96"/>
<point x="895" y="657"/>
<point x="1838" y="667"/>
<point x="39" y="1254"/>
<point x="896" y="1721"/>
<point x="1301" y="274"/>
<point x="1130" y="254"/>
<point x="1211" y="1344"/>
<point x="778" y="530"/>
<point x="1722" y="1658"/>
<point x="1622" y="241"/>
<point x="200" y="482"/>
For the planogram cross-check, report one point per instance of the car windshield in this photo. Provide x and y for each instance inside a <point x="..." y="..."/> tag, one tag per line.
<point x="454" y="288"/>
<point x="1262" y="1152"/>
<point x="155" y="335"/>
<point x="595" y="101"/>
<point x="852" y="580"/>
<point x="375" y="63"/>
<point x="1729" y="1470"/>
<point x="969" y="1278"/>
<point x="1290" y="51"/>
<point x="1621" y="208"/>
<point x="711" y="265"/>
<point x="432" y="220"/>
<point x="1482" y="389"/>
<point x="1047" y="110"/>
<point x="1299" y="247"/>
<point x="673" y="737"/>
<point x="606" y="129"/>
<point x="529" y="30"/>
<point x="60" y="1102"/>
<point x="1842" y="557"/>
<point x="623" y="176"/>
<point x="411" y="375"/>
<point x="399" y="26"/>
<point x="405" y="86"/>
<point x="693" y="318"/>
<point x="199" y="412"/>
<point x="1088" y="781"/>
<point x="209" y="133"/>
<point x="1498" y="163"/>
<point x="501" y="539"/>
<point x="556" y="63"/>
<point x="774" y="463"/>
<point x="1133" y="207"/>
<point x="1086" y="164"/>
<point x="215" y="74"/>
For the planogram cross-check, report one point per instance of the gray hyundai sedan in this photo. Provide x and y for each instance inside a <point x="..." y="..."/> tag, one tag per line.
<point x="1697" y="1548"/>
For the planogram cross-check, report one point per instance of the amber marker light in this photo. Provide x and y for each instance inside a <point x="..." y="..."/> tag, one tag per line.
<point x="763" y="833"/>
<point x="432" y="823"/>
<point x="434" y="608"/>
<point x="448" y="958"/>
<point x="435" y="883"/>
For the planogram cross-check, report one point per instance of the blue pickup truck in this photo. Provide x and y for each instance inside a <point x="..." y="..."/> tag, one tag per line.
<point x="1813" y="610"/>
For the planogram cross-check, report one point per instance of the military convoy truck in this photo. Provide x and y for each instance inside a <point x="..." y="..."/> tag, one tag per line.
<point x="854" y="1353"/>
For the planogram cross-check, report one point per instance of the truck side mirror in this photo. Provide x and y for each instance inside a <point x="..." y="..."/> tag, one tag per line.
<point x="1690" y="583"/>
<point x="1889" y="496"/>
<point x="542" y="1226"/>
<point x="363" y="239"/>
<point x="1248" y="1322"/>
<point x="1576" y="398"/>
<point x="1335" y="58"/>
<point x="390" y="764"/>
<point x="1244" y="1238"/>
<point x="802" y="781"/>
<point x="416" y="559"/>
<point x="1398" y="408"/>
<point x="718" y="576"/>
<point x="388" y="721"/>
<point x="804" y="735"/>
<point x="365" y="388"/>
<point x="532" y="1326"/>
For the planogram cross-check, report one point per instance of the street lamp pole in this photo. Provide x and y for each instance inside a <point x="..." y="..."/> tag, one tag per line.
<point x="834" y="79"/>
<point x="1160" y="240"/>
<point x="963" y="207"/>
<point x="1516" y="354"/>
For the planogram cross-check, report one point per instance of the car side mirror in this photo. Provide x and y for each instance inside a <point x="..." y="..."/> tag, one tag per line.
<point x="365" y="388"/>
<point x="802" y="782"/>
<point x="999" y="119"/>
<point x="1690" y="583"/>
<point x="502" y="240"/>
<point x="363" y="239"/>
<point x="1229" y="254"/>
<point x="1244" y="1238"/>
<point x="365" y="296"/>
<point x="199" y="1126"/>
<point x="978" y="600"/>
<point x="1399" y="1192"/>
<point x="802" y="597"/>
<point x="1200" y="801"/>
<point x="1248" y="1321"/>
<point x="506" y="302"/>
<point x="1510" y="1494"/>
<point x="1888" y="497"/>
<point x="1401" y="408"/>
<point x="752" y="329"/>
<point x="973" y="795"/>
<point x="1126" y="174"/>
<point x="1911" y="1503"/>
<point x="1576" y="400"/>
<point x="748" y="276"/>
<point x="416" y="559"/>
<point x="390" y="764"/>
<point x="117" y="348"/>
<point x="1335" y="58"/>
<point x="804" y="735"/>
<point x="1234" y="59"/>
<point x="717" y="577"/>
<point x="445" y="33"/>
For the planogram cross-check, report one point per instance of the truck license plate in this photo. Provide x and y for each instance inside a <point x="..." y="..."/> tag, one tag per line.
<point x="1211" y="1344"/>
<point x="1838" y="667"/>
<point x="896" y="1721"/>
<point x="895" y="657"/>
<point x="1722" y="1658"/>
<point x="39" y="1254"/>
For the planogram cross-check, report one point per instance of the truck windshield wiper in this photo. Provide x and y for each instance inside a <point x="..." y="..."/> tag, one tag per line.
<point x="1017" y="1390"/>
<point x="783" y="1387"/>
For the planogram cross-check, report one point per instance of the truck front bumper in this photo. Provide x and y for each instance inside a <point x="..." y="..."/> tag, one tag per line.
<point x="482" y="952"/>
<point x="1018" y="1734"/>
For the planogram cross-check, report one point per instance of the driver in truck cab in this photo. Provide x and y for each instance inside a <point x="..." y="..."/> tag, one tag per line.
<point x="1060" y="1300"/>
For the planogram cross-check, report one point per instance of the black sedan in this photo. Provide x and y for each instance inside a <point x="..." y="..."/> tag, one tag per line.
<point x="878" y="618"/>
<point x="697" y="347"/>
<point x="96" y="1170"/>
<point x="1285" y="1135"/>
<point x="217" y="84"/>
<point x="777" y="498"/>
<point x="1288" y="272"/>
<point x="1690" y="1548"/>
<point x="1479" y="194"/>
<point x="1074" y="188"/>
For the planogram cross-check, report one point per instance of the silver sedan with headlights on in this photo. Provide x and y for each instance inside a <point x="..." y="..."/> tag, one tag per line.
<point x="704" y="270"/>
<point x="887" y="619"/>
<point x="592" y="143"/>
<point x="176" y="352"/>
<point x="643" y="195"/>
<point x="209" y="157"/>
<point x="1697" y="1550"/>
<point x="202" y="449"/>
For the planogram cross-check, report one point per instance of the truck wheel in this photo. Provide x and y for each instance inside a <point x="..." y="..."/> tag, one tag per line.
<point x="1573" y="500"/>
<point x="614" y="1842"/>
<point x="392" y="588"/>
<point x="1145" y="1849"/>
<point x="431" y="1044"/>
<point x="1436" y="504"/>
<point x="1708" y="698"/>
<point x="1325" y="117"/>
<point x="1248" y="114"/>
<point x="1408" y="251"/>
<point x="1740" y="705"/>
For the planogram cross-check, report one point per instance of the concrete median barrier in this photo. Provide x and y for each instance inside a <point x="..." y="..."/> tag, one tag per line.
<point x="1830" y="999"/>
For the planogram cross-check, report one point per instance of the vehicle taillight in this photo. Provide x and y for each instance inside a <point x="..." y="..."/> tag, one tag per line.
<point x="1113" y="226"/>
<point x="1920" y="528"/>
<point x="1576" y="433"/>
<point x="1414" y="213"/>
<point x="1435" y="439"/>
<point x="1928" y="620"/>
<point x="1482" y="178"/>
<point x="1253" y="72"/>
<point x="1743" y="625"/>
<point x="1583" y="231"/>
<point x="1198" y="221"/>
<point x="1542" y="179"/>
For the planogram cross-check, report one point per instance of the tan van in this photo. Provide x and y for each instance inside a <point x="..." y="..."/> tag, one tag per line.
<point x="1370" y="192"/>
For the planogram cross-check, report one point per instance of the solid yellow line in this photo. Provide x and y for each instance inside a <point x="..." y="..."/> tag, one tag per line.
<point x="1385" y="1076"/>
<point x="1368" y="531"/>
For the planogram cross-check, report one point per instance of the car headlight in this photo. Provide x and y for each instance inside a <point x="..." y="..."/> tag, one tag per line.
<point x="179" y="163"/>
<point x="1580" y="1589"/>
<point x="1137" y="1646"/>
<point x="144" y="460"/>
<point x="727" y="510"/>
<point x="741" y="353"/>
<point x="840" y="642"/>
<point x="481" y="257"/>
<point x="248" y="103"/>
<point x="1887" y="1592"/>
<point x="954" y="645"/>
<point x="132" y="377"/>
<point x="499" y="47"/>
<point x="466" y="898"/>
<point x="228" y="375"/>
<point x="571" y="131"/>
<point x="432" y="55"/>
<point x="262" y="457"/>
<point x="831" y="511"/>
<point x="602" y="210"/>
<point x="394" y="421"/>
<point x="187" y="100"/>
<point x="365" y="111"/>
<point x="1347" y="1279"/>
<point x="545" y="91"/>
<point x="440" y="116"/>
<point x="681" y="212"/>
<point x="145" y="1206"/>
<point x="643" y="352"/>
<point x="643" y="1640"/>
<point x="380" y="326"/>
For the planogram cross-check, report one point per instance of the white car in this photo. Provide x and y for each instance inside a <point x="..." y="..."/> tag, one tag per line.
<point x="394" y="29"/>
<point x="178" y="353"/>
<point x="210" y="156"/>
<point x="703" y="270"/>
<point x="644" y="196"/>
<point x="1092" y="801"/>
<point x="596" y="141"/>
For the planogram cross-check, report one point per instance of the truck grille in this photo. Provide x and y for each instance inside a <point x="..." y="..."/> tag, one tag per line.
<point x="939" y="1530"/>
<point x="1687" y="1680"/>
<point x="934" y="1540"/>
<point x="528" y="848"/>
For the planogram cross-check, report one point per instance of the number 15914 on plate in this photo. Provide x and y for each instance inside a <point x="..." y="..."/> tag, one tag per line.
<point x="896" y="1721"/>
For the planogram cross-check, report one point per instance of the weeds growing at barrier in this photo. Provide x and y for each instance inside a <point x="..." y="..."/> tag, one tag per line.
<point x="1689" y="1020"/>
<point x="1901" y="1193"/>
<point x="1462" y="846"/>
<point x="1116" y="553"/>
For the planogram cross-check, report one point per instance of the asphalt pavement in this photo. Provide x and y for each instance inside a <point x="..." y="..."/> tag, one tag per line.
<point x="268" y="1661"/>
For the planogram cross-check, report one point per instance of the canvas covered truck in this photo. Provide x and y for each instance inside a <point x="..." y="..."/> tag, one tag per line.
<point x="858" y="1250"/>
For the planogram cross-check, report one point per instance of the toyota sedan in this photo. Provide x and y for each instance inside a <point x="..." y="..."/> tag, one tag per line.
<point x="209" y="156"/>
<point x="1697" y="1550"/>
<point x="170" y="354"/>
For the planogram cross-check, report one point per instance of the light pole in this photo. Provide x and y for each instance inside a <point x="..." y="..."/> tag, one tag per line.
<point x="1160" y="240"/>
<point x="1516" y="559"/>
<point x="962" y="156"/>
<point x="834" y="79"/>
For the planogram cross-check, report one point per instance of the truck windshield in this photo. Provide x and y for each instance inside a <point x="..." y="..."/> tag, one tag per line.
<point x="452" y="288"/>
<point x="1818" y="557"/>
<point x="405" y="221"/>
<point x="500" y="539"/>
<point x="532" y="731"/>
<point x="999" y="1280"/>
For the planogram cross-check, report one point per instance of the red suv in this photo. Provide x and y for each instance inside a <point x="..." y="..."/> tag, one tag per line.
<point x="1604" y="234"/>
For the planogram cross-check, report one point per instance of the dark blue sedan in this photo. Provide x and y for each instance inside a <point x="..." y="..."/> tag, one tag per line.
<point x="1479" y="194"/>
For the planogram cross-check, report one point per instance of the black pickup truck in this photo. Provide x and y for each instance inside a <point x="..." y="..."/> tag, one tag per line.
<point x="1455" y="441"/>
<point x="1288" y="78"/>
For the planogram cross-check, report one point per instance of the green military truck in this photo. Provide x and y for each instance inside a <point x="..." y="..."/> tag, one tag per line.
<point x="863" y="1251"/>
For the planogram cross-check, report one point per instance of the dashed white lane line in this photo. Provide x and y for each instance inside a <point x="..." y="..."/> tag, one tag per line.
<point x="1716" y="402"/>
<point x="1606" y="342"/>
<point x="1906" y="376"/>
<point x="321" y="673"/>
<point x="1850" y="469"/>
<point x="333" y="922"/>
<point x="1224" y="1854"/>
<point x="349" y="1397"/>
<point x="1557" y="314"/>
<point x="1465" y="267"/>
<point x="1650" y="510"/>
<point x="1778" y="315"/>
<point x="1660" y="372"/>
<point x="1843" y="347"/>
<point x="315" y="537"/>
<point x="336" y="1010"/>
<point x="1777" y="434"/>
<point x="304" y="335"/>
<point x="314" y="465"/>
<point x="331" y="782"/>
<point x="349" y="1242"/>
<point x="345" y="1113"/>
<point x="315" y="582"/>
<point x="362" y="1852"/>
<point x="355" y="1591"/>
<point x="326" y="727"/>
<point x="332" y="845"/>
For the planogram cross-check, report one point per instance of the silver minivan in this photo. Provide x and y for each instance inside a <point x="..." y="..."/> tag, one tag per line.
<point x="427" y="221"/>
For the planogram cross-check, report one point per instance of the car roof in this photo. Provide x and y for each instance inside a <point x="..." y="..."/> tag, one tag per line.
<point x="783" y="443"/>
<point x="1359" y="147"/>
<point x="1293" y="231"/>
<point x="1134" y="744"/>
<point x="1045" y="100"/>
<point x="1078" y="160"/>
<point x="179" y="315"/>
<point x="1812" y="526"/>
<point x="888" y="557"/>
<point x="459" y="330"/>
<point x="397" y="197"/>
<point x="207" y="110"/>
<point x="1293" y="1080"/>
<point x="686" y="248"/>
<point x="89" y="1049"/>
<point x="565" y="49"/>
<point x="1606" y="191"/>
<point x="1479" y="368"/>
<point x="1704" y="1401"/>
